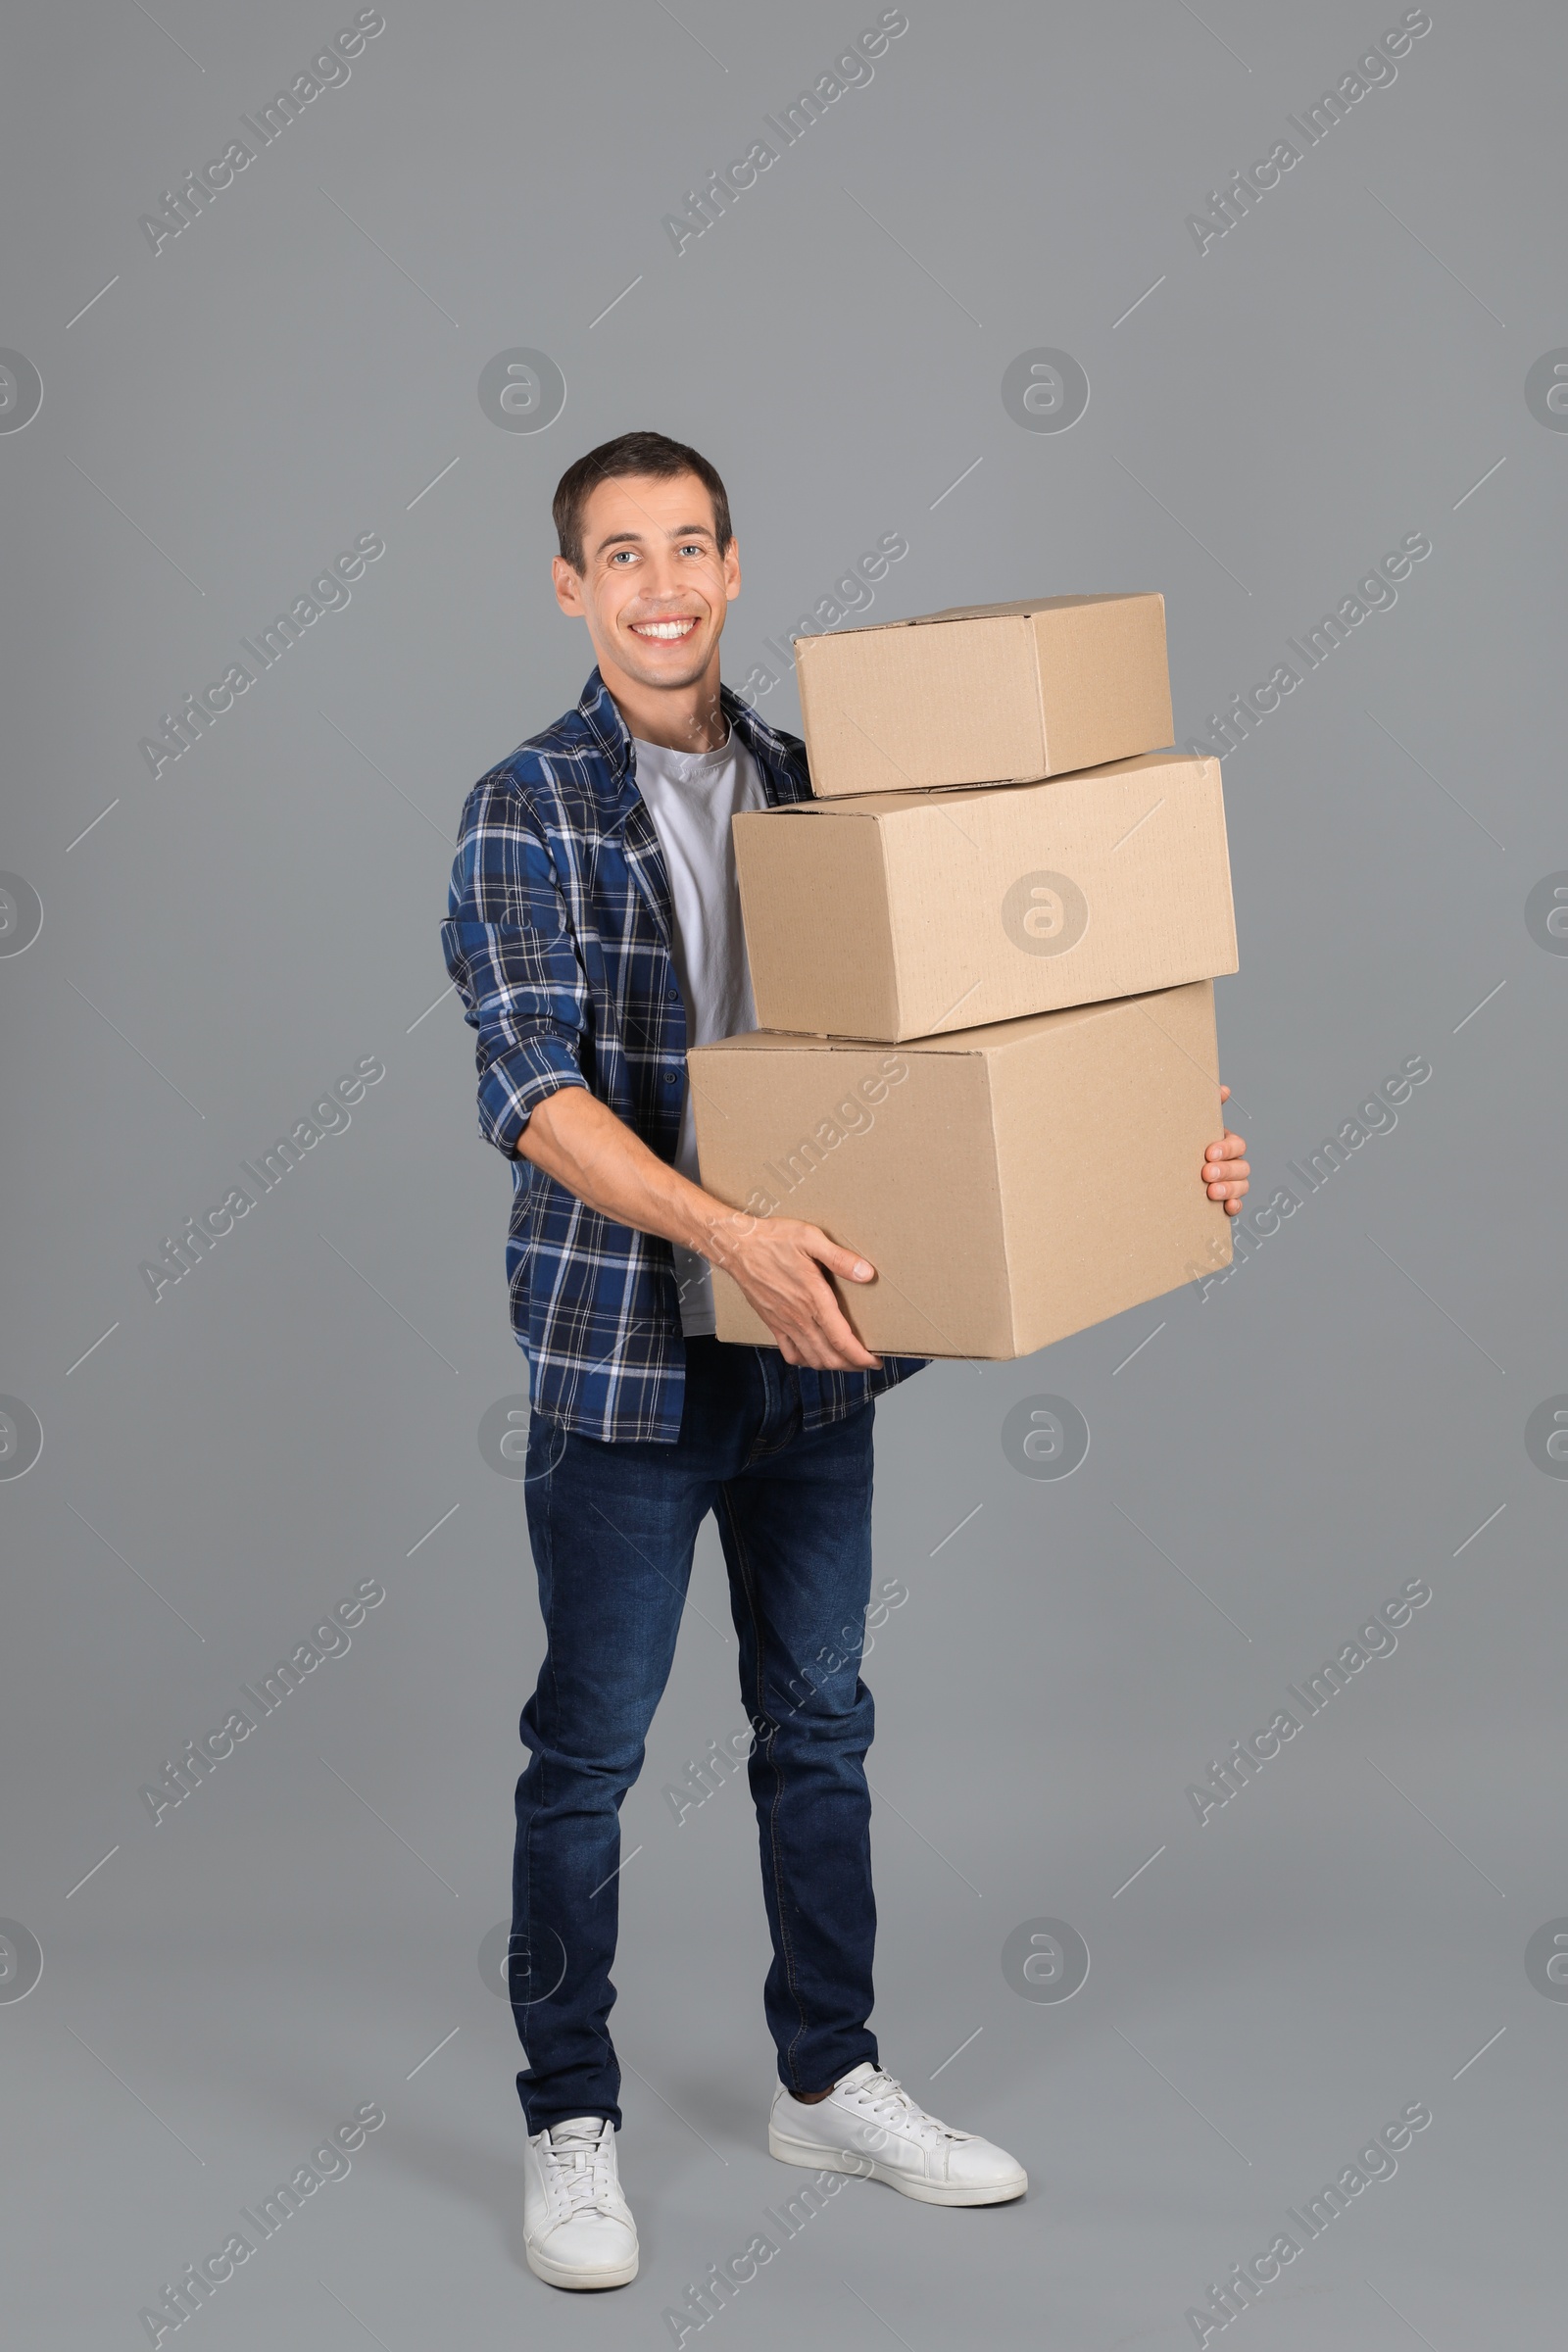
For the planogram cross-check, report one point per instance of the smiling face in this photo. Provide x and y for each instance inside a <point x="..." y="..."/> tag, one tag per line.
<point x="654" y="584"/>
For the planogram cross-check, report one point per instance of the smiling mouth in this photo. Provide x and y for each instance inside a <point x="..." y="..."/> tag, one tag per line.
<point x="666" y="632"/>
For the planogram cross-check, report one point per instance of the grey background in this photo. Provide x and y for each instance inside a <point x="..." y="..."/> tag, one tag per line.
<point x="304" y="1408"/>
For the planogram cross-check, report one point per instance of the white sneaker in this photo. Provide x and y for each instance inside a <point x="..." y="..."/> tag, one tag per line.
<point x="576" y="2225"/>
<point x="869" y="2125"/>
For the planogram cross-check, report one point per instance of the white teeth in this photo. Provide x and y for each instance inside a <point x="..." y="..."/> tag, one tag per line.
<point x="663" y="628"/>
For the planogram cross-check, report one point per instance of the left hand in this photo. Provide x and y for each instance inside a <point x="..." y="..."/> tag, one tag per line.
<point x="1225" y="1169"/>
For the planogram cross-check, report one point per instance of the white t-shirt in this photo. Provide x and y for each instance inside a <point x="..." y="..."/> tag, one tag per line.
<point x="691" y="797"/>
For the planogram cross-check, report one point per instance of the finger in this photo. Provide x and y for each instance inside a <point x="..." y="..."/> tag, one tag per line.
<point x="846" y="1262"/>
<point x="1229" y="1147"/>
<point x="817" y="1324"/>
<point x="785" y="1339"/>
<point x="848" y="1355"/>
<point x="831" y="1360"/>
<point x="833" y="1330"/>
<point x="820" y="1353"/>
<point x="1224" y="1094"/>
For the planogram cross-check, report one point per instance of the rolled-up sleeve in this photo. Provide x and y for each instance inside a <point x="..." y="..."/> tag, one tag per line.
<point x="509" y="947"/>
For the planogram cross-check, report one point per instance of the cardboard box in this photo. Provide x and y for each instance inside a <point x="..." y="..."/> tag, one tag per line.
<point x="985" y="694"/>
<point x="1010" y="1184"/>
<point x="894" y="915"/>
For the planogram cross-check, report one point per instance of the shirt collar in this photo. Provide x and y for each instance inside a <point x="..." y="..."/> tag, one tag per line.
<point x="604" y="722"/>
<point x="601" y="716"/>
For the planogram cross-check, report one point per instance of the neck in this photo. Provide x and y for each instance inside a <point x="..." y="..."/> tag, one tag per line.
<point x="681" y="718"/>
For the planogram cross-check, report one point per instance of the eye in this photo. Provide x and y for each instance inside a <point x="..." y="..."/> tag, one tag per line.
<point x="626" y="552"/>
<point x="693" y="547"/>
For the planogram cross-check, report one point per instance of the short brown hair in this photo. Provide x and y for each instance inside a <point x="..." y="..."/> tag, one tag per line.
<point x="632" y="453"/>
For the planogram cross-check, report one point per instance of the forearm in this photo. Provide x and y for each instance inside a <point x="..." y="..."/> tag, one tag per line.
<point x="580" y="1142"/>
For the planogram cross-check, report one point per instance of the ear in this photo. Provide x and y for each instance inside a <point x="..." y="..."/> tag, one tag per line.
<point x="568" y="585"/>
<point x="733" y="571"/>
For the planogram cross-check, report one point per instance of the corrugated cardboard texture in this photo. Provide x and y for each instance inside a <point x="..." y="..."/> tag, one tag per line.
<point x="898" y="916"/>
<point x="1139" y="1083"/>
<point x="824" y="1131"/>
<point x="985" y="694"/>
<point x="1014" y="1184"/>
<point x="810" y="902"/>
<point x="1104" y="680"/>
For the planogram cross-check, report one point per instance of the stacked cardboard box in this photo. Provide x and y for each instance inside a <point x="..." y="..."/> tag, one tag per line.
<point x="983" y="957"/>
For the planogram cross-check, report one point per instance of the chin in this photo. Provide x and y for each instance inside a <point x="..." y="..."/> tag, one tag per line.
<point x="685" y="672"/>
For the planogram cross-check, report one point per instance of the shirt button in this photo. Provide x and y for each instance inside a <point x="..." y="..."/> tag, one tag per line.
<point x="670" y="1077"/>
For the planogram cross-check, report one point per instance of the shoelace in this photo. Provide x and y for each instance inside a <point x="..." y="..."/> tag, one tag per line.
<point x="578" y="2170"/>
<point x="882" y="2095"/>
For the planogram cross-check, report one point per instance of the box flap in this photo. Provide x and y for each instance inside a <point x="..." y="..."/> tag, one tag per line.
<point x="1022" y="606"/>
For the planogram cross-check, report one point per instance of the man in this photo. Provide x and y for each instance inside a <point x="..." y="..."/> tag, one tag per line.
<point x="594" y="934"/>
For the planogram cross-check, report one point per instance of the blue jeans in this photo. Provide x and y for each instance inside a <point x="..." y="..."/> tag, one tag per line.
<point x="613" y="1528"/>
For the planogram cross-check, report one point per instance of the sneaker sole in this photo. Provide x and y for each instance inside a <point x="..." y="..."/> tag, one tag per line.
<point x="867" y="2167"/>
<point x="554" y="2275"/>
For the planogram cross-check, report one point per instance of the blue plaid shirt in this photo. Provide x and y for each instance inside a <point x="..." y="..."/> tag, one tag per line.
<point x="558" y="935"/>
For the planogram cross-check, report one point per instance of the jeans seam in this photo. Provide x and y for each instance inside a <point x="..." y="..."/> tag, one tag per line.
<point x="555" y="1695"/>
<point x="747" y="1587"/>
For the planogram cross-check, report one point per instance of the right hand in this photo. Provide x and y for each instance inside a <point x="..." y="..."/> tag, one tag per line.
<point x="778" y="1264"/>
